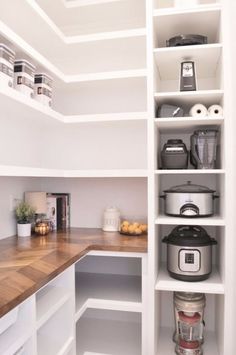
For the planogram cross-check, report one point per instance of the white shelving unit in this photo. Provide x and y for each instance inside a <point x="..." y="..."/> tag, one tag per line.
<point x="111" y="70"/>
<point x="207" y="18"/>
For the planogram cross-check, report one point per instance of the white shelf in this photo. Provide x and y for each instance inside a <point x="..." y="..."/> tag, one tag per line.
<point x="171" y="22"/>
<point x="206" y="97"/>
<point x="207" y="221"/>
<point x="107" y="117"/>
<point x="206" y="58"/>
<point x="107" y="291"/>
<point x="90" y="16"/>
<point x="185" y="124"/>
<point x="186" y="10"/>
<point x="8" y="170"/>
<point x="166" y="346"/>
<point x="124" y="74"/>
<point x="12" y="101"/>
<point x="48" y="301"/>
<point x="166" y="283"/>
<point x="109" y="337"/>
<point x="189" y="171"/>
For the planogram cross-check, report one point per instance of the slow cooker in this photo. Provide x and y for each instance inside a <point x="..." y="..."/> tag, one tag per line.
<point x="189" y="253"/>
<point x="189" y="200"/>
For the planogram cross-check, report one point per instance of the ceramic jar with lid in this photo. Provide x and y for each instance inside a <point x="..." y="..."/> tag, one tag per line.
<point x="111" y="219"/>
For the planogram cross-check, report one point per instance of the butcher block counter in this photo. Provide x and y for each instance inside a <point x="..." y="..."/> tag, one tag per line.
<point x="26" y="264"/>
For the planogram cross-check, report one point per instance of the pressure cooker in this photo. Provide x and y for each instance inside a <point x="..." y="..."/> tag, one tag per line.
<point x="189" y="200"/>
<point x="189" y="253"/>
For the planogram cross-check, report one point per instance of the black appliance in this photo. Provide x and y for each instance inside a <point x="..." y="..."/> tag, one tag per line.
<point x="174" y="155"/>
<point x="186" y="40"/>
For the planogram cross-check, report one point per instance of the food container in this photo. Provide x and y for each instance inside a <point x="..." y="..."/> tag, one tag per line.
<point x="133" y="226"/>
<point x="24" y="77"/>
<point x="189" y="200"/>
<point x="189" y="253"/>
<point x="7" y="57"/>
<point x="43" y="89"/>
<point x="111" y="219"/>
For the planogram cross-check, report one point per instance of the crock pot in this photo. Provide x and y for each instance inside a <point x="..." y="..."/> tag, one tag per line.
<point x="189" y="200"/>
<point x="189" y="253"/>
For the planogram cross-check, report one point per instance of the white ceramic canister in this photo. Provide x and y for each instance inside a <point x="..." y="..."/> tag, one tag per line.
<point x="111" y="219"/>
<point x="24" y="77"/>
<point x="43" y="89"/>
<point x="7" y="57"/>
<point x="186" y="3"/>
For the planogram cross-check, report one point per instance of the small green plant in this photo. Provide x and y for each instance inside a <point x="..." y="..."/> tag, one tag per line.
<point x="24" y="213"/>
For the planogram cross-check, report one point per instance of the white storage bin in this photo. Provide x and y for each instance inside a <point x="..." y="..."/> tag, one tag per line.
<point x="24" y="77"/>
<point x="8" y="320"/>
<point x="7" y="57"/>
<point x="43" y="89"/>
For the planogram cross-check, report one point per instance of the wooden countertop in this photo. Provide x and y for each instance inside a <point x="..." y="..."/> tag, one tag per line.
<point x="26" y="264"/>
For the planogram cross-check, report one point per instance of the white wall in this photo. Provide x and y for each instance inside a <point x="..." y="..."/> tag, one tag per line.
<point x="89" y="197"/>
<point x="12" y="187"/>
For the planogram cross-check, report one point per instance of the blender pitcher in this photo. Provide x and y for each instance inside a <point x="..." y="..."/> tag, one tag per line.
<point x="203" y="148"/>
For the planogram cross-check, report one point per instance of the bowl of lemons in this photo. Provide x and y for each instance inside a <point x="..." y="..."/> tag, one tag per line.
<point x="133" y="226"/>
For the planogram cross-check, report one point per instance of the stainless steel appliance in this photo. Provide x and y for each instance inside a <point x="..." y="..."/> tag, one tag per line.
<point x="204" y="148"/>
<point x="189" y="200"/>
<point x="188" y="76"/>
<point x="189" y="253"/>
<point x="174" y="155"/>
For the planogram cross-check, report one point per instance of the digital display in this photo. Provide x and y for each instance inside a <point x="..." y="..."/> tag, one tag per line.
<point x="189" y="258"/>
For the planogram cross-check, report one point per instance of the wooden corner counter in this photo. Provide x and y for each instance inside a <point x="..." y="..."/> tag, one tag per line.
<point x="27" y="264"/>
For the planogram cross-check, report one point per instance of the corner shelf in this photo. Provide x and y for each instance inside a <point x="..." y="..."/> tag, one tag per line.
<point x="107" y="291"/>
<point x="9" y="170"/>
<point x="166" y="283"/>
<point x="100" y="336"/>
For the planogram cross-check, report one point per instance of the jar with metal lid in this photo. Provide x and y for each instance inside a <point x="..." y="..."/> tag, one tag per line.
<point x="24" y="77"/>
<point x="7" y="57"/>
<point x="111" y="219"/>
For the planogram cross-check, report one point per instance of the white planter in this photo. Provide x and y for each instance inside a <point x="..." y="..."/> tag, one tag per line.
<point x="186" y="3"/>
<point x="24" y="230"/>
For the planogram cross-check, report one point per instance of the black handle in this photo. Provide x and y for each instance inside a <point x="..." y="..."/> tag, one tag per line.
<point x="215" y="196"/>
<point x="189" y="207"/>
<point x="165" y="240"/>
<point x="162" y="196"/>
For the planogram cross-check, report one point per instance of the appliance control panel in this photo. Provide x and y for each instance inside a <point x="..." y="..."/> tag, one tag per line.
<point x="189" y="260"/>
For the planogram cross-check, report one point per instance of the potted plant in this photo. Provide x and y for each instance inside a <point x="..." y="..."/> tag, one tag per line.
<point x="24" y="216"/>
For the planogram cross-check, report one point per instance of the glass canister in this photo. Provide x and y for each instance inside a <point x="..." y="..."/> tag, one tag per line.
<point x="111" y="219"/>
<point x="189" y="313"/>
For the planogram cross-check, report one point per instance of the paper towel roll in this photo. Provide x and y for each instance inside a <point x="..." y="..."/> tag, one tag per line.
<point x="198" y="110"/>
<point x="215" y="111"/>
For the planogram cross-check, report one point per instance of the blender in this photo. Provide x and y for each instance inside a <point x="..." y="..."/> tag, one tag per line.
<point x="203" y="148"/>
